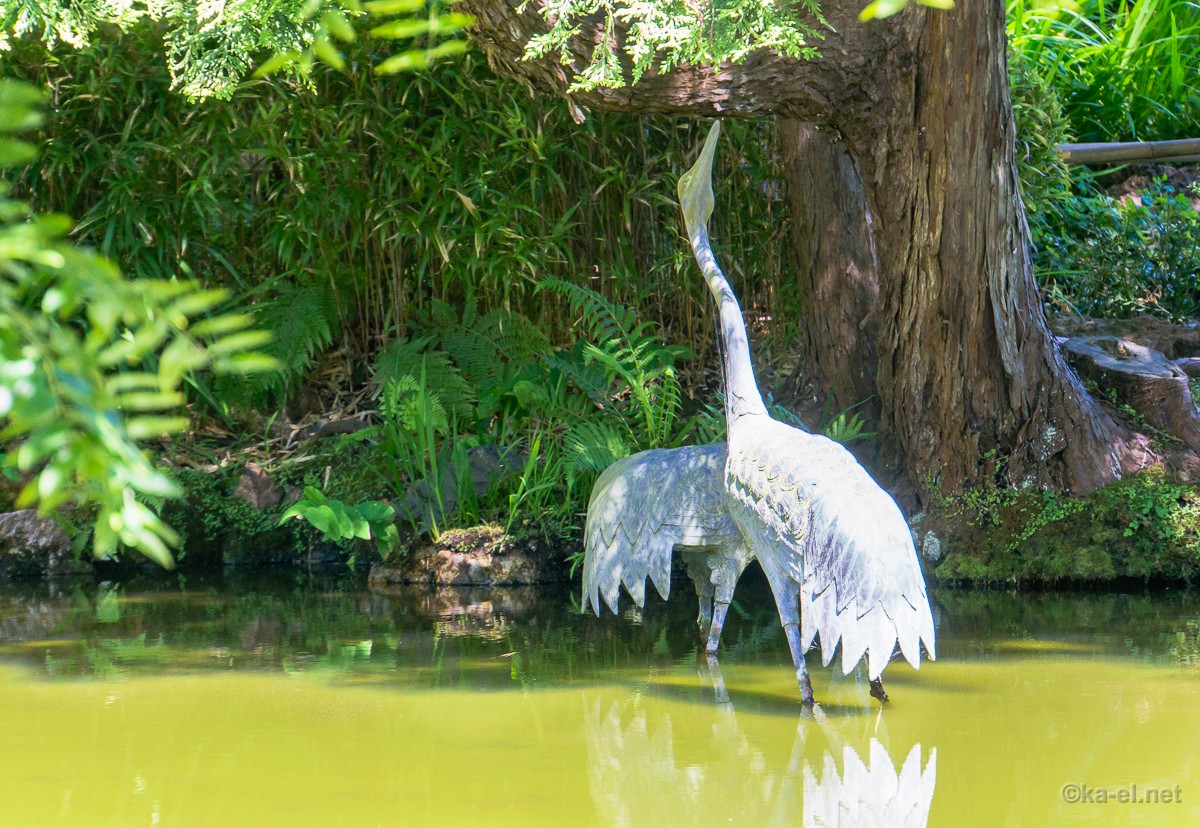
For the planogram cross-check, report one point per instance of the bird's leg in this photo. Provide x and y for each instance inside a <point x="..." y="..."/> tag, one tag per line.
<point x="792" y="629"/>
<point x="723" y="596"/>
<point x="704" y="619"/>
<point x="717" y="680"/>
<point x="720" y="609"/>
<point x="877" y="690"/>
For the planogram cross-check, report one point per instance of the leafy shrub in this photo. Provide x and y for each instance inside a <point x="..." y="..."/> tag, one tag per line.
<point x="1098" y="257"/>
<point x="336" y="520"/>
<point x="91" y="363"/>
<point x="1041" y="127"/>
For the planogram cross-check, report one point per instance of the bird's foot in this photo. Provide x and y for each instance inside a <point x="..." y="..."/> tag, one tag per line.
<point x="806" y="691"/>
<point x="813" y="711"/>
<point x="877" y="690"/>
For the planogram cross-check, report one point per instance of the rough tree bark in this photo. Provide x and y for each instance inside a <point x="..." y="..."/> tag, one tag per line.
<point x="912" y="236"/>
<point x="836" y="266"/>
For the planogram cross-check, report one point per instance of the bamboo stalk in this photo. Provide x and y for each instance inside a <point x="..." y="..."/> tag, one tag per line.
<point x="1175" y="152"/>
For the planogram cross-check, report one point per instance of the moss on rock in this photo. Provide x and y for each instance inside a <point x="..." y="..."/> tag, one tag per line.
<point x="1145" y="527"/>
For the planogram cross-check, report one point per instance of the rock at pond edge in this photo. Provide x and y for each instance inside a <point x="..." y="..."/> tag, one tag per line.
<point x="479" y="556"/>
<point x="32" y="546"/>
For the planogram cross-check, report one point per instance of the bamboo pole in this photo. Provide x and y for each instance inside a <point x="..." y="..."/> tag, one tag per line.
<point x="1167" y="152"/>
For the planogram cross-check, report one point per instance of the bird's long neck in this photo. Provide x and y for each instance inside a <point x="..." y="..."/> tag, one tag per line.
<point x="741" y="391"/>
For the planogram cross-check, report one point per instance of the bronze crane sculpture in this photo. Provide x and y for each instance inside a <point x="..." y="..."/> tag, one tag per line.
<point x="834" y="546"/>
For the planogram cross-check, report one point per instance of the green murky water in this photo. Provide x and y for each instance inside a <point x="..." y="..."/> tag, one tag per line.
<point x="325" y="705"/>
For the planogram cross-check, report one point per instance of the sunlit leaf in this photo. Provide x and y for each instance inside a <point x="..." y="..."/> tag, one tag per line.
<point x="337" y="25"/>
<point x="243" y="341"/>
<point x="328" y="54"/>
<point x="275" y="63"/>
<point x="140" y="428"/>
<point x="880" y="9"/>
<point x="149" y="401"/>
<point x="251" y="363"/>
<point x="393" y="6"/>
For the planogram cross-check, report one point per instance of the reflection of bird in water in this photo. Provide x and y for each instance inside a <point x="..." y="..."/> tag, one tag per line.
<point x="873" y="794"/>
<point x="639" y="773"/>
<point x="834" y="546"/>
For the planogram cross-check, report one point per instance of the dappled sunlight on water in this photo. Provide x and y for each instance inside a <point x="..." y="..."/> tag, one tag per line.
<point x="319" y="706"/>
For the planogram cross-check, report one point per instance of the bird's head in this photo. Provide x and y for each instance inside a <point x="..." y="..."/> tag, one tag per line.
<point x="695" y="185"/>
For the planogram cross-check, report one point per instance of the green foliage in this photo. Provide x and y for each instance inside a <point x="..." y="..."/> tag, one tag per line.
<point x="846" y="427"/>
<point x="1143" y="527"/>
<point x="1041" y="127"/>
<point x="629" y="356"/>
<point x="1098" y="257"/>
<point x="404" y="227"/>
<point x="209" y="47"/>
<point x="406" y="364"/>
<point x="91" y="362"/>
<point x="302" y="320"/>
<point x="1125" y="69"/>
<point x="385" y="201"/>
<point x="879" y="9"/>
<point x="636" y="35"/>
<point x="338" y="521"/>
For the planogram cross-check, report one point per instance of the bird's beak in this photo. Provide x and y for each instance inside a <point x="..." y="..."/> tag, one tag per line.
<point x="695" y="185"/>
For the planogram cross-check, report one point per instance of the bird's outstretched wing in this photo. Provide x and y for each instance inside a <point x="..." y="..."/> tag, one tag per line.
<point x="826" y="526"/>
<point x="641" y="508"/>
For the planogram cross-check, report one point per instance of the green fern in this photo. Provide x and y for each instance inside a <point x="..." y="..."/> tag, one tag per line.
<point x="412" y="407"/>
<point x="414" y="358"/>
<point x="590" y="447"/>
<point x="635" y="360"/>
<point x="303" y="319"/>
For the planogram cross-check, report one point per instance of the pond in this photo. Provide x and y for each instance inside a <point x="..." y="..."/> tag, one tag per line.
<point x="319" y="703"/>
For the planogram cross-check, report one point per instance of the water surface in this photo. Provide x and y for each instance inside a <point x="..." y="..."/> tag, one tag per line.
<point x="321" y="704"/>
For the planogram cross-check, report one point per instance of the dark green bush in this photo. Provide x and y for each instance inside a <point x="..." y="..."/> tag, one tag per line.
<point x="1101" y="258"/>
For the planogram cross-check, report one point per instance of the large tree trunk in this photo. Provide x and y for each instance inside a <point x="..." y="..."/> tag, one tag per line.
<point x="910" y="234"/>
<point x="838" y="273"/>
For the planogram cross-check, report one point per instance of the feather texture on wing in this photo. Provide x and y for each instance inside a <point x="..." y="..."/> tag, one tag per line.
<point x="821" y="526"/>
<point x="641" y="508"/>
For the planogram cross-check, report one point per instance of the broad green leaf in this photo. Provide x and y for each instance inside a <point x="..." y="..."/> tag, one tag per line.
<point x="243" y="341"/>
<point x="393" y="6"/>
<point x="324" y="520"/>
<point x="140" y="428"/>
<point x="360" y="528"/>
<point x="328" y="54"/>
<point x="376" y="510"/>
<point x="337" y="25"/>
<point x="314" y="495"/>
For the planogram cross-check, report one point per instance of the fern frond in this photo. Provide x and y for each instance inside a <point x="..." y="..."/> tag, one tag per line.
<point x="302" y="319"/>
<point x="413" y="406"/>
<point x="584" y="374"/>
<point x="414" y="358"/>
<point x="591" y="446"/>
<point x="666" y="401"/>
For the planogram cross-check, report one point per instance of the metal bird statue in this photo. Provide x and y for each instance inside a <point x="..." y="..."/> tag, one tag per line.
<point x="834" y="546"/>
<point x="650" y="504"/>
